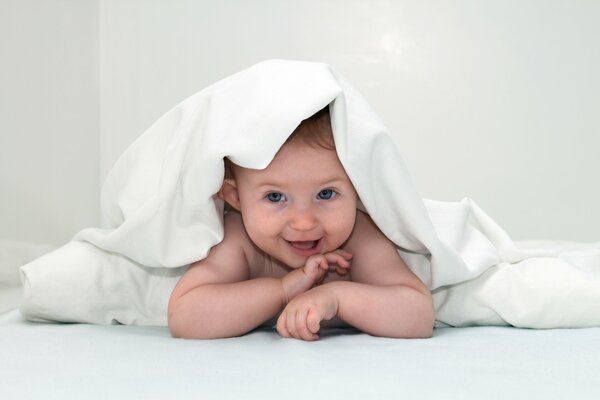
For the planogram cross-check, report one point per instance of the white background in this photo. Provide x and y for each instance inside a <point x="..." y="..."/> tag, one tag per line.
<point x="494" y="100"/>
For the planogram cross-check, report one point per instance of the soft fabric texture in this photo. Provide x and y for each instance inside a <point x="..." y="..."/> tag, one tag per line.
<point x="13" y="254"/>
<point x="162" y="213"/>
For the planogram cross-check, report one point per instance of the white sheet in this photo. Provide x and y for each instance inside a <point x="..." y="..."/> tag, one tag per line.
<point x="162" y="214"/>
<point x="13" y="254"/>
<point x="66" y="361"/>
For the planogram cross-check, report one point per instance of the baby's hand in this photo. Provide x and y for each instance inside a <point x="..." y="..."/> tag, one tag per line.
<point x="314" y="271"/>
<point x="301" y="318"/>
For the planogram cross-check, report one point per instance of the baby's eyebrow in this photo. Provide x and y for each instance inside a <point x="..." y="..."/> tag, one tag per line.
<point x="273" y="184"/>
<point x="332" y="180"/>
<point x="269" y="185"/>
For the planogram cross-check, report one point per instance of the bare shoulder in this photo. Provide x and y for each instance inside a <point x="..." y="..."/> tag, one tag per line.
<point x="226" y="262"/>
<point x="375" y="258"/>
<point x="236" y="242"/>
<point x="235" y="236"/>
<point x="366" y="234"/>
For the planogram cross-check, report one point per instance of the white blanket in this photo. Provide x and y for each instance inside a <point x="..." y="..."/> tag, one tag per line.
<point x="161" y="214"/>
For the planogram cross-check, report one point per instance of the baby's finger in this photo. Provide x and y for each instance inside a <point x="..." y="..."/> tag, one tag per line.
<point x="324" y="263"/>
<point x="302" y="328"/>
<point x="281" y="326"/>
<point x="336" y="259"/>
<point x="346" y="254"/>
<point x="341" y="271"/>
<point x="313" y="322"/>
<point x="290" y="324"/>
<point x="315" y="268"/>
<point x="316" y="264"/>
<point x="313" y="263"/>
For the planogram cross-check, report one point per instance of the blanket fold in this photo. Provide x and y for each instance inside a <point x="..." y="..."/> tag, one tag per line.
<point x="161" y="213"/>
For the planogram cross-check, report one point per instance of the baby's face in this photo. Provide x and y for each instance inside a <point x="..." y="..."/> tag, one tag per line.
<point x="302" y="204"/>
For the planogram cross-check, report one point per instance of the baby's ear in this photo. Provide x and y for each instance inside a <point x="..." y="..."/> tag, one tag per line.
<point x="229" y="193"/>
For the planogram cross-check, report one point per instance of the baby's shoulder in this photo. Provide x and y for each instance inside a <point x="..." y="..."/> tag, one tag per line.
<point x="364" y="225"/>
<point x="375" y="258"/>
<point x="235" y="236"/>
<point x="365" y="233"/>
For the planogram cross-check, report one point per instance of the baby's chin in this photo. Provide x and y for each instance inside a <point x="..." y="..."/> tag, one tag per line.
<point x="295" y="263"/>
<point x="286" y="260"/>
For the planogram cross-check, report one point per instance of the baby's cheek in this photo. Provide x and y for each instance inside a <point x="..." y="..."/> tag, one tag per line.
<point x="261" y="232"/>
<point x="343" y="229"/>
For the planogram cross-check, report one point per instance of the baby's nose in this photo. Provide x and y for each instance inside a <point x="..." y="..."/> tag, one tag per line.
<point x="303" y="220"/>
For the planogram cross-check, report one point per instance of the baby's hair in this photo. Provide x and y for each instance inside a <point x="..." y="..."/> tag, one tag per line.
<point x="315" y="131"/>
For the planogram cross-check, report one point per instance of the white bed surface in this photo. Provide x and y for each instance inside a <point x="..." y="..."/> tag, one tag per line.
<point x="64" y="361"/>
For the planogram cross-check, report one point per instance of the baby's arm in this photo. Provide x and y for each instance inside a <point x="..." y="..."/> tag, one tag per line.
<point x="214" y="298"/>
<point x="384" y="297"/>
<point x="224" y="309"/>
<point x="396" y="311"/>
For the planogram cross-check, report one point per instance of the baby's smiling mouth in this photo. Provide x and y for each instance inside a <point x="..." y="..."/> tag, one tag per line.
<point x="305" y="248"/>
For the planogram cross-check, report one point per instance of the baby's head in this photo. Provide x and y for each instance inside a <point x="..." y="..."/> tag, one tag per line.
<point x="303" y="202"/>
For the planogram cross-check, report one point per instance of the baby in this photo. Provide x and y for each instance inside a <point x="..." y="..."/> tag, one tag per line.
<point x="296" y="247"/>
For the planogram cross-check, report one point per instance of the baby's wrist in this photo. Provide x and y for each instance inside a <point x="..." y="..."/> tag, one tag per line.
<point x="331" y="292"/>
<point x="293" y="284"/>
<point x="288" y="287"/>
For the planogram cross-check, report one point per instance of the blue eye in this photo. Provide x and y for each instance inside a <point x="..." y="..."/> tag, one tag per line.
<point x="326" y="194"/>
<point x="275" y="197"/>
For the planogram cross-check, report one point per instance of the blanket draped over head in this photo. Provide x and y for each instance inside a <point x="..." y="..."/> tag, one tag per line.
<point x="161" y="214"/>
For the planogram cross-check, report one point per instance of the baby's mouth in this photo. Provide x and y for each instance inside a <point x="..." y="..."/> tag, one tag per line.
<point x="305" y="248"/>
<point x="304" y="244"/>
